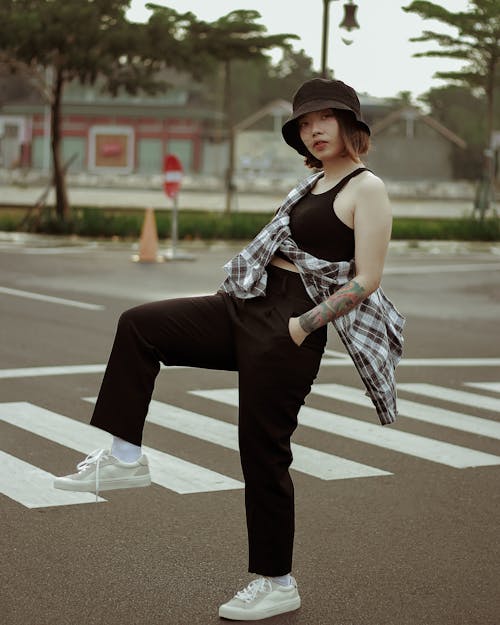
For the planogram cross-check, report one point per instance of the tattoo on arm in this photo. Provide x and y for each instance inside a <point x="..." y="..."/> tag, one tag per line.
<point x="338" y="304"/>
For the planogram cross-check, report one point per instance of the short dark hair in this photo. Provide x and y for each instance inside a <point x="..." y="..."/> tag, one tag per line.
<point x="356" y="140"/>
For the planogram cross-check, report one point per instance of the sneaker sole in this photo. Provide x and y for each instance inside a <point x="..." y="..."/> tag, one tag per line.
<point x="90" y="487"/>
<point x="239" y="614"/>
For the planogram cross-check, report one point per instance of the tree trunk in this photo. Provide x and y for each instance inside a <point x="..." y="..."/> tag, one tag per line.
<point x="228" y="109"/>
<point x="490" y="97"/>
<point x="488" y="174"/>
<point x="62" y="205"/>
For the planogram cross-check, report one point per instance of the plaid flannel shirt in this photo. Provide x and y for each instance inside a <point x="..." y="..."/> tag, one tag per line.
<point x="371" y="332"/>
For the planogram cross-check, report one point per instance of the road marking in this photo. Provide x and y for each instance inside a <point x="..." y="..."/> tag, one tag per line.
<point x="50" y="298"/>
<point x="453" y="395"/>
<point x="32" y="487"/>
<point x="34" y="372"/>
<point x="395" y="440"/>
<point x="31" y="372"/>
<point x="41" y="251"/>
<point x="305" y="460"/>
<point x="426" y="269"/>
<point x="449" y="362"/>
<point x="424" y="362"/>
<point x="414" y="410"/>
<point x="45" y="251"/>
<point x="486" y="386"/>
<point x="168" y="471"/>
<point x="332" y="353"/>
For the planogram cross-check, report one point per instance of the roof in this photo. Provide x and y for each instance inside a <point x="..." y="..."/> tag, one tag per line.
<point x="280" y="107"/>
<point x="284" y="107"/>
<point x="180" y="100"/>
<point x="407" y="112"/>
<point x="157" y="111"/>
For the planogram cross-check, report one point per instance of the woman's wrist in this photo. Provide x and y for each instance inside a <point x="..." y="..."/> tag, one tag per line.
<point x="296" y="332"/>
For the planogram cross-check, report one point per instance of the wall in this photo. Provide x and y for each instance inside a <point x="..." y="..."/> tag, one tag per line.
<point x="148" y="140"/>
<point x="265" y="154"/>
<point x="425" y="155"/>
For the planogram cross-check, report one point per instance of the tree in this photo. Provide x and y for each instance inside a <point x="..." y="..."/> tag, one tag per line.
<point x="57" y="41"/>
<point x="293" y="69"/>
<point x="233" y="36"/>
<point x="403" y="98"/>
<point x="477" y="44"/>
<point x="13" y="87"/>
<point x="256" y="82"/>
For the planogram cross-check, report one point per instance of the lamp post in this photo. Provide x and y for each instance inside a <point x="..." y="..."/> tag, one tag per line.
<point x="324" y="40"/>
<point x="349" y="23"/>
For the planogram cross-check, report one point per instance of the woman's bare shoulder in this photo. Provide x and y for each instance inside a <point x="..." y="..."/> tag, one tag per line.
<point x="371" y="183"/>
<point x="371" y="195"/>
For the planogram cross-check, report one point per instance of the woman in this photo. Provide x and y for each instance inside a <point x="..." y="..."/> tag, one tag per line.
<point x="320" y="259"/>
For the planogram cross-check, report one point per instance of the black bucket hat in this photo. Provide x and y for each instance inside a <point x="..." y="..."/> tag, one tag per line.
<point x="315" y="95"/>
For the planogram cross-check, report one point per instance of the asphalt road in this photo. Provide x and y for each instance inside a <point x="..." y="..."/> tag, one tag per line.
<point x="407" y="533"/>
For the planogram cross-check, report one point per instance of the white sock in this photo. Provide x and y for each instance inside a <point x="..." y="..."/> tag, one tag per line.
<point x="282" y="580"/>
<point x="125" y="451"/>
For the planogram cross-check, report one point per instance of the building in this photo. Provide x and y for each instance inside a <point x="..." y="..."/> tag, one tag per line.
<point x="131" y="135"/>
<point x="409" y="145"/>
<point x="122" y="135"/>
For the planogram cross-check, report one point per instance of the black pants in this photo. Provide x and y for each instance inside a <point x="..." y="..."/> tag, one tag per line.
<point x="275" y="375"/>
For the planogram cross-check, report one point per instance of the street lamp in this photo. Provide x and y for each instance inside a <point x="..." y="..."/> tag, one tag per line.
<point x="349" y="23"/>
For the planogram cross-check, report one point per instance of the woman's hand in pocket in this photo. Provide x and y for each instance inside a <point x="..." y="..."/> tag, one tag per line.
<point x="296" y="332"/>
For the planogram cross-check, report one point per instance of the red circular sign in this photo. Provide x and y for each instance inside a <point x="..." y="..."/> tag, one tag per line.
<point x="172" y="168"/>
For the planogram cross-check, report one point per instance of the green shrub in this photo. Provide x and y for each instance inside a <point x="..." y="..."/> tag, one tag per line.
<point x="465" y="229"/>
<point x="123" y="223"/>
<point x="9" y="223"/>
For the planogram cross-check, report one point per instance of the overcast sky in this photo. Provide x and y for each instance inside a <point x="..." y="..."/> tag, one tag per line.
<point x="378" y="62"/>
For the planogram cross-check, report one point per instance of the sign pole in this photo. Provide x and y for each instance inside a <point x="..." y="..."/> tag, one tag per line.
<point x="172" y="169"/>
<point x="175" y="229"/>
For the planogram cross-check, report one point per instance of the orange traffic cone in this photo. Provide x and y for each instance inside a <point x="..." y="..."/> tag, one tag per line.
<point x="148" y="243"/>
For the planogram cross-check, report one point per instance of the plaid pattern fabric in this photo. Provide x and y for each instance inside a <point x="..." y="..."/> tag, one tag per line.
<point x="371" y="332"/>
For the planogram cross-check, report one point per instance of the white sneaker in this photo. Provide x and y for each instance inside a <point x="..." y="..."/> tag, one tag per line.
<point x="262" y="598"/>
<point x="102" y="471"/>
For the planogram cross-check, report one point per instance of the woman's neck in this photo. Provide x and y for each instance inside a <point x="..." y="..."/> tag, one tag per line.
<point x="336" y="170"/>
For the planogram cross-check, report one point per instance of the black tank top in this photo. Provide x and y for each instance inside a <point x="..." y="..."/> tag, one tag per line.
<point x="316" y="229"/>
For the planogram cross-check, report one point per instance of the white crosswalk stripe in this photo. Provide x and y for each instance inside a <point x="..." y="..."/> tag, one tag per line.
<point x="403" y="442"/>
<point x="309" y="461"/>
<point x="414" y="410"/>
<point x="166" y="470"/>
<point x="305" y="460"/>
<point x="453" y="395"/>
<point x="32" y="487"/>
<point x="485" y="386"/>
